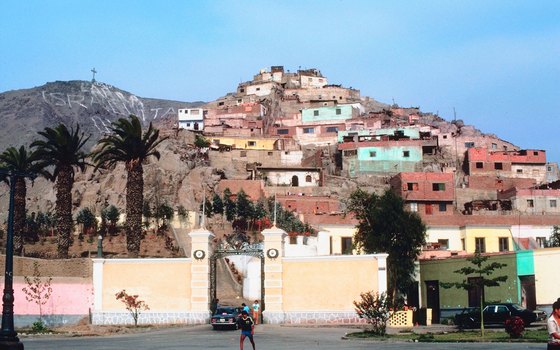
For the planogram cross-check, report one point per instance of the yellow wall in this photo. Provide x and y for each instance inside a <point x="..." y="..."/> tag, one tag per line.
<point x="164" y="284"/>
<point x="327" y="283"/>
<point x="546" y="275"/>
<point x="243" y="142"/>
<point x="491" y="235"/>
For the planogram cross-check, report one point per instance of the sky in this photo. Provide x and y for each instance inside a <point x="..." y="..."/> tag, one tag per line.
<point x="493" y="64"/>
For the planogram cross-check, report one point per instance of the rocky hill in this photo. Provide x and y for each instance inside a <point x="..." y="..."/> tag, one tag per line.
<point x="93" y="105"/>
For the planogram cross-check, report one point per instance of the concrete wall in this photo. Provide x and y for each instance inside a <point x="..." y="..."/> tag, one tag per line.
<point x="72" y="290"/>
<point x="546" y="275"/>
<point x="164" y="284"/>
<point x="313" y="296"/>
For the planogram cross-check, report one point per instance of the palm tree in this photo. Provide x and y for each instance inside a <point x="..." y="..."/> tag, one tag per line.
<point x="22" y="162"/>
<point x="129" y="145"/>
<point x="62" y="149"/>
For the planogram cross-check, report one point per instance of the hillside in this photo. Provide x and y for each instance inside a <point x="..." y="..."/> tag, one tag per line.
<point x="93" y="105"/>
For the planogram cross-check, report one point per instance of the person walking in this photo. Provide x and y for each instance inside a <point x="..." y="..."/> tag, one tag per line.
<point x="245" y="308"/>
<point x="256" y="306"/>
<point x="247" y="329"/>
<point x="553" y="325"/>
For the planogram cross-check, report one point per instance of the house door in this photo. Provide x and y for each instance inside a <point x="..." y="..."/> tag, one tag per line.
<point x="475" y="293"/>
<point x="528" y="294"/>
<point x="295" y="181"/>
<point x="429" y="209"/>
<point x="432" y="299"/>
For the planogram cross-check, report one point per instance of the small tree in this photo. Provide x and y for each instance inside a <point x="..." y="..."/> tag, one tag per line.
<point x="201" y="141"/>
<point x="554" y="240"/>
<point x="165" y="212"/>
<point x="229" y="205"/>
<point x="38" y="291"/>
<point x="112" y="215"/>
<point x="183" y="214"/>
<point x="132" y="304"/>
<point x="87" y="219"/>
<point x="374" y="308"/>
<point x="482" y="273"/>
<point x="217" y="204"/>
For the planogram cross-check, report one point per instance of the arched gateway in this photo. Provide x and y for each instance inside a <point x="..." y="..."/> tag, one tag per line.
<point x="236" y="245"/>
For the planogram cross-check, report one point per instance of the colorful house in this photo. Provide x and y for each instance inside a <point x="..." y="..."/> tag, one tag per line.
<point x="381" y="157"/>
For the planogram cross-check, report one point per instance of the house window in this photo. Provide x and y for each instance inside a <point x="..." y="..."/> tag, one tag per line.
<point x="541" y="241"/>
<point x="519" y="171"/>
<point x="188" y="124"/>
<point x="243" y="154"/>
<point x="412" y="186"/>
<point x="332" y="129"/>
<point x="479" y="165"/>
<point x="338" y="111"/>
<point x="498" y="166"/>
<point x="443" y="244"/>
<point x="350" y="152"/>
<point x="406" y="154"/>
<point x="413" y="207"/>
<point x="438" y="187"/>
<point x="536" y="153"/>
<point x="549" y="168"/>
<point x="444" y="137"/>
<point x="442" y="207"/>
<point x="282" y="131"/>
<point x="346" y="245"/>
<point x="269" y="153"/>
<point x="315" y="113"/>
<point x="552" y="203"/>
<point x="258" y="89"/>
<point x="494" y="146"/>
<point x="480" y="245"/>
<point x="241" y="90"/>
<point x="308" y="130"/>
<point x="372" y="154"/>
<point x="530" y="203"/>
<point x="252" y="143"/>
<point x="504" y="244"/>
<point x="469" y="144"/>
<point x="308" y="178"/>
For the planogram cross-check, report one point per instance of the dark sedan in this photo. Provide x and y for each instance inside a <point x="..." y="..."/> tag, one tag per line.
<point x="225" y="317"/>
<point x="494" y="314"/>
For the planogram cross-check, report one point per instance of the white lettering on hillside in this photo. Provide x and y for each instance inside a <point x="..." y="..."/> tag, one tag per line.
<point x="102" y="97"/>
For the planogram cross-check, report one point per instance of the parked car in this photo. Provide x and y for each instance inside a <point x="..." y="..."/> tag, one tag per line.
<point x="494" y="314"/>
<point x="225" y="317"/>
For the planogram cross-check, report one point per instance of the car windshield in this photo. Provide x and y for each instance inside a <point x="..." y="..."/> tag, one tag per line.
<point x="225" y="311"/>
<point x="517" y="307"/>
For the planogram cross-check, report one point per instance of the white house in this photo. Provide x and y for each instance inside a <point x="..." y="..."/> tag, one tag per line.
<point x="191" y="119"/>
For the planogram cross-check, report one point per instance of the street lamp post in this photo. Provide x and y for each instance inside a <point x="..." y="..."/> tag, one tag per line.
<point x="8" y="335"/>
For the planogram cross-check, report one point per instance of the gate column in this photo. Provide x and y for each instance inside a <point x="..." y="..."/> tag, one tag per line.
<point x="273" y="275"/>
<point x="200" y="270"/>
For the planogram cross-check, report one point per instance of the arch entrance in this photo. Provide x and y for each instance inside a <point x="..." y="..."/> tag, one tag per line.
<point x="236" y="244"/>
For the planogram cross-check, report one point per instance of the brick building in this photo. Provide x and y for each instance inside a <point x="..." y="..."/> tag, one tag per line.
<point x="425" y="193"/>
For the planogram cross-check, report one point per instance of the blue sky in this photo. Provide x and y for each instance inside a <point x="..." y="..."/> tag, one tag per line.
<point x="496" y="62"/>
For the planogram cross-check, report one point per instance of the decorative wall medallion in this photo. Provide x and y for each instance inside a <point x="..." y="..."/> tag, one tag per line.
<point x="199" y="254"/>
<point x="272" y="253"/>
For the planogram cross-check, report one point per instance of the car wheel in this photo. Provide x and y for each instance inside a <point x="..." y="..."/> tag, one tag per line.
<point x="214" y="327"/>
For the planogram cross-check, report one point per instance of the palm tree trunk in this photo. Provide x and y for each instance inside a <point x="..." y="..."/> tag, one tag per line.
<point x="134" y="205"/>
<point x="64" y="221"/>
<point x="19" y="214"/>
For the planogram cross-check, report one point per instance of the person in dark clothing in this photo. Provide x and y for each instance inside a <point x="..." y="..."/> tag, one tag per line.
<point x="247" y="327"/>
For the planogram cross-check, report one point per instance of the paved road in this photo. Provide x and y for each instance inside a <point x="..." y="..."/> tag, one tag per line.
<point x="267" y="337"/>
